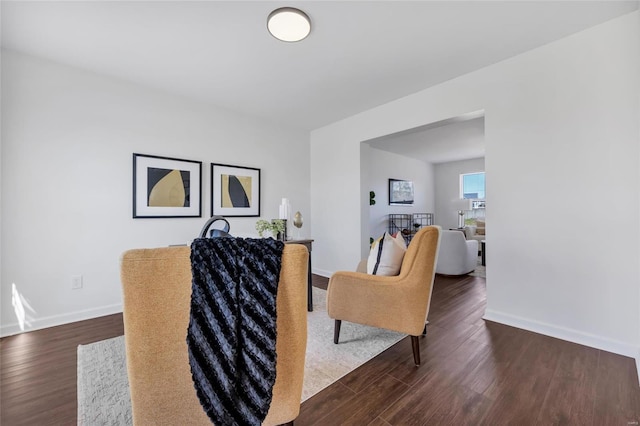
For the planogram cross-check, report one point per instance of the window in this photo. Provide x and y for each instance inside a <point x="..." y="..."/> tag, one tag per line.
<point x="472" y="186"/>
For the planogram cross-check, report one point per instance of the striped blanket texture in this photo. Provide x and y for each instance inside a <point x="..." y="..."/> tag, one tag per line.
<point x="232" y="328"/>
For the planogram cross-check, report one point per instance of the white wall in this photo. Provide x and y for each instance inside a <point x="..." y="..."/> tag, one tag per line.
<point x="386" y="165"/>
<point x="638" y="235"/>
<point x="67" y="143"/>
<point x="447" y="188"/>
<point x="561" y="129"/>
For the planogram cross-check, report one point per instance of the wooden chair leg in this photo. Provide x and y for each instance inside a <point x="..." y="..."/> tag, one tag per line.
<point x="336" y="331"/>
<point x="415" y="344"/>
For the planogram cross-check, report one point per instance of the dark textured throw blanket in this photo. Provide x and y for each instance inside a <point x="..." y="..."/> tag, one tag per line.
<point x="232" y="328"/>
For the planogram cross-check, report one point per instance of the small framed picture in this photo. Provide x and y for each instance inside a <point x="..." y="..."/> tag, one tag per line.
<point x="235" y="191"/>
<point x="478" y="204"/>
<point x="166" y="187"/>
<point x="400" y="192"/>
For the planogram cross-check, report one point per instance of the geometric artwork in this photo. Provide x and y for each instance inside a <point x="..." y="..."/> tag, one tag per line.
<point x="166" y="187"/>
<point x="235" y="190"/>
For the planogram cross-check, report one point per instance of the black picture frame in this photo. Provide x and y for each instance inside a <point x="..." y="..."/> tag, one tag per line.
<point x="165" y="187"/>
<point x="478" y="204"/>
<point x="235" y="191"/>
<point x="400" y="192"/>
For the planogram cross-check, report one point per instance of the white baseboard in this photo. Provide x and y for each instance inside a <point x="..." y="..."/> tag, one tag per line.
<point x="54" y="320"/>
<point x="322" y="272"/>
<point x="586" y="339"/>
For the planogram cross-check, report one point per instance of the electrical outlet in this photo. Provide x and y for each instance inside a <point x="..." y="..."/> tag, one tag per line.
<point x="76" y="282"/>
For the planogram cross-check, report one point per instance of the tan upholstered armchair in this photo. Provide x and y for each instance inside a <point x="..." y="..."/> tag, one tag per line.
<point x="399" y="303"/>
<point x="156" y="286"/>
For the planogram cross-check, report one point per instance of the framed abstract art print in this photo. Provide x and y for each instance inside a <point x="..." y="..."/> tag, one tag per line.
<point x="235" y="191"/>
<point x="166" y="187"/>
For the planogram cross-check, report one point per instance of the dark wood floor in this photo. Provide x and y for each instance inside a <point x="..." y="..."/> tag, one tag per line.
<point x="38" y="371"/>
<point x="473" y="373"/>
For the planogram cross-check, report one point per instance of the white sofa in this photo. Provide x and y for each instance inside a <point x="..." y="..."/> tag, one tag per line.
<point x="457" y="256"/>
<point x="475" y="232"/>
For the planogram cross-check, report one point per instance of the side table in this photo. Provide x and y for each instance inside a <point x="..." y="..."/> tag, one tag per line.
<point x="307" y="243"/>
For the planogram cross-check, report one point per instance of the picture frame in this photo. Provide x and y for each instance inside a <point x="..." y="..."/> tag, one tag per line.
<point x="400" y="192"/>
<point x="478" y="204"/>
<point x="165" y="187"/>
<point x="235" y="191"/>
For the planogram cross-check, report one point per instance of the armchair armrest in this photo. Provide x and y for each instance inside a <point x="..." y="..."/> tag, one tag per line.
<point x="393" y="302"/>
<point x="472" y="250"/>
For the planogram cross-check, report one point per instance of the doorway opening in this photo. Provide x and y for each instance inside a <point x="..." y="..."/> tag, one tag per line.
<point x="432" y="157"/>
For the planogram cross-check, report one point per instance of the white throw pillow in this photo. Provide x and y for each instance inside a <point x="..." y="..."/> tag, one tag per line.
<point x="469" y="231"/>
<point x="385" y="257"/>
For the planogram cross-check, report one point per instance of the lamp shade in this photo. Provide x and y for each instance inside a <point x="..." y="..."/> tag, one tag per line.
<point x="289" y="24"/>
<point x="462" y="204"/>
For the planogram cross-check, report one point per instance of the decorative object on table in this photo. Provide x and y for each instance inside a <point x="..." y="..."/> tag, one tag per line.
<point x="400" y="192"/>
<point x="217" y="226"/>
<point x="166" y="187"/>
<point x="372" y="196"/>
<point x="283" y="235"/>
<point x="297" y="222"/>
<point x="461" y="205"/>
<point x="284" y="213"/>
<point x="276" y="227"/>
<point x="235" y="191"/>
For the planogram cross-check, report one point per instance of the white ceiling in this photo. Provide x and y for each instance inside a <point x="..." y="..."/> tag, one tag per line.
<point x="460" y="138"/>
<point x="360" y="54"/>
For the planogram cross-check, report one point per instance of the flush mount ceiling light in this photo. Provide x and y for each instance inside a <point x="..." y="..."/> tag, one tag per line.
<point x="289" y="24"/>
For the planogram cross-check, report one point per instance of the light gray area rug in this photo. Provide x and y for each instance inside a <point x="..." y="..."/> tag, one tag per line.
<point x="326" y="362"/>
<point x="103" y="388"/>
<point x="480" y="270"/>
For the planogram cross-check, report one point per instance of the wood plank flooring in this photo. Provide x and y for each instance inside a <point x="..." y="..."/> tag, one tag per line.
<point x="38" y="371"/>
<point x="473" y="373"/>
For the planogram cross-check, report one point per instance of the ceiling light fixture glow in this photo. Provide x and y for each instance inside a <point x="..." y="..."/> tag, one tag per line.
<point x="289" y="24"/>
